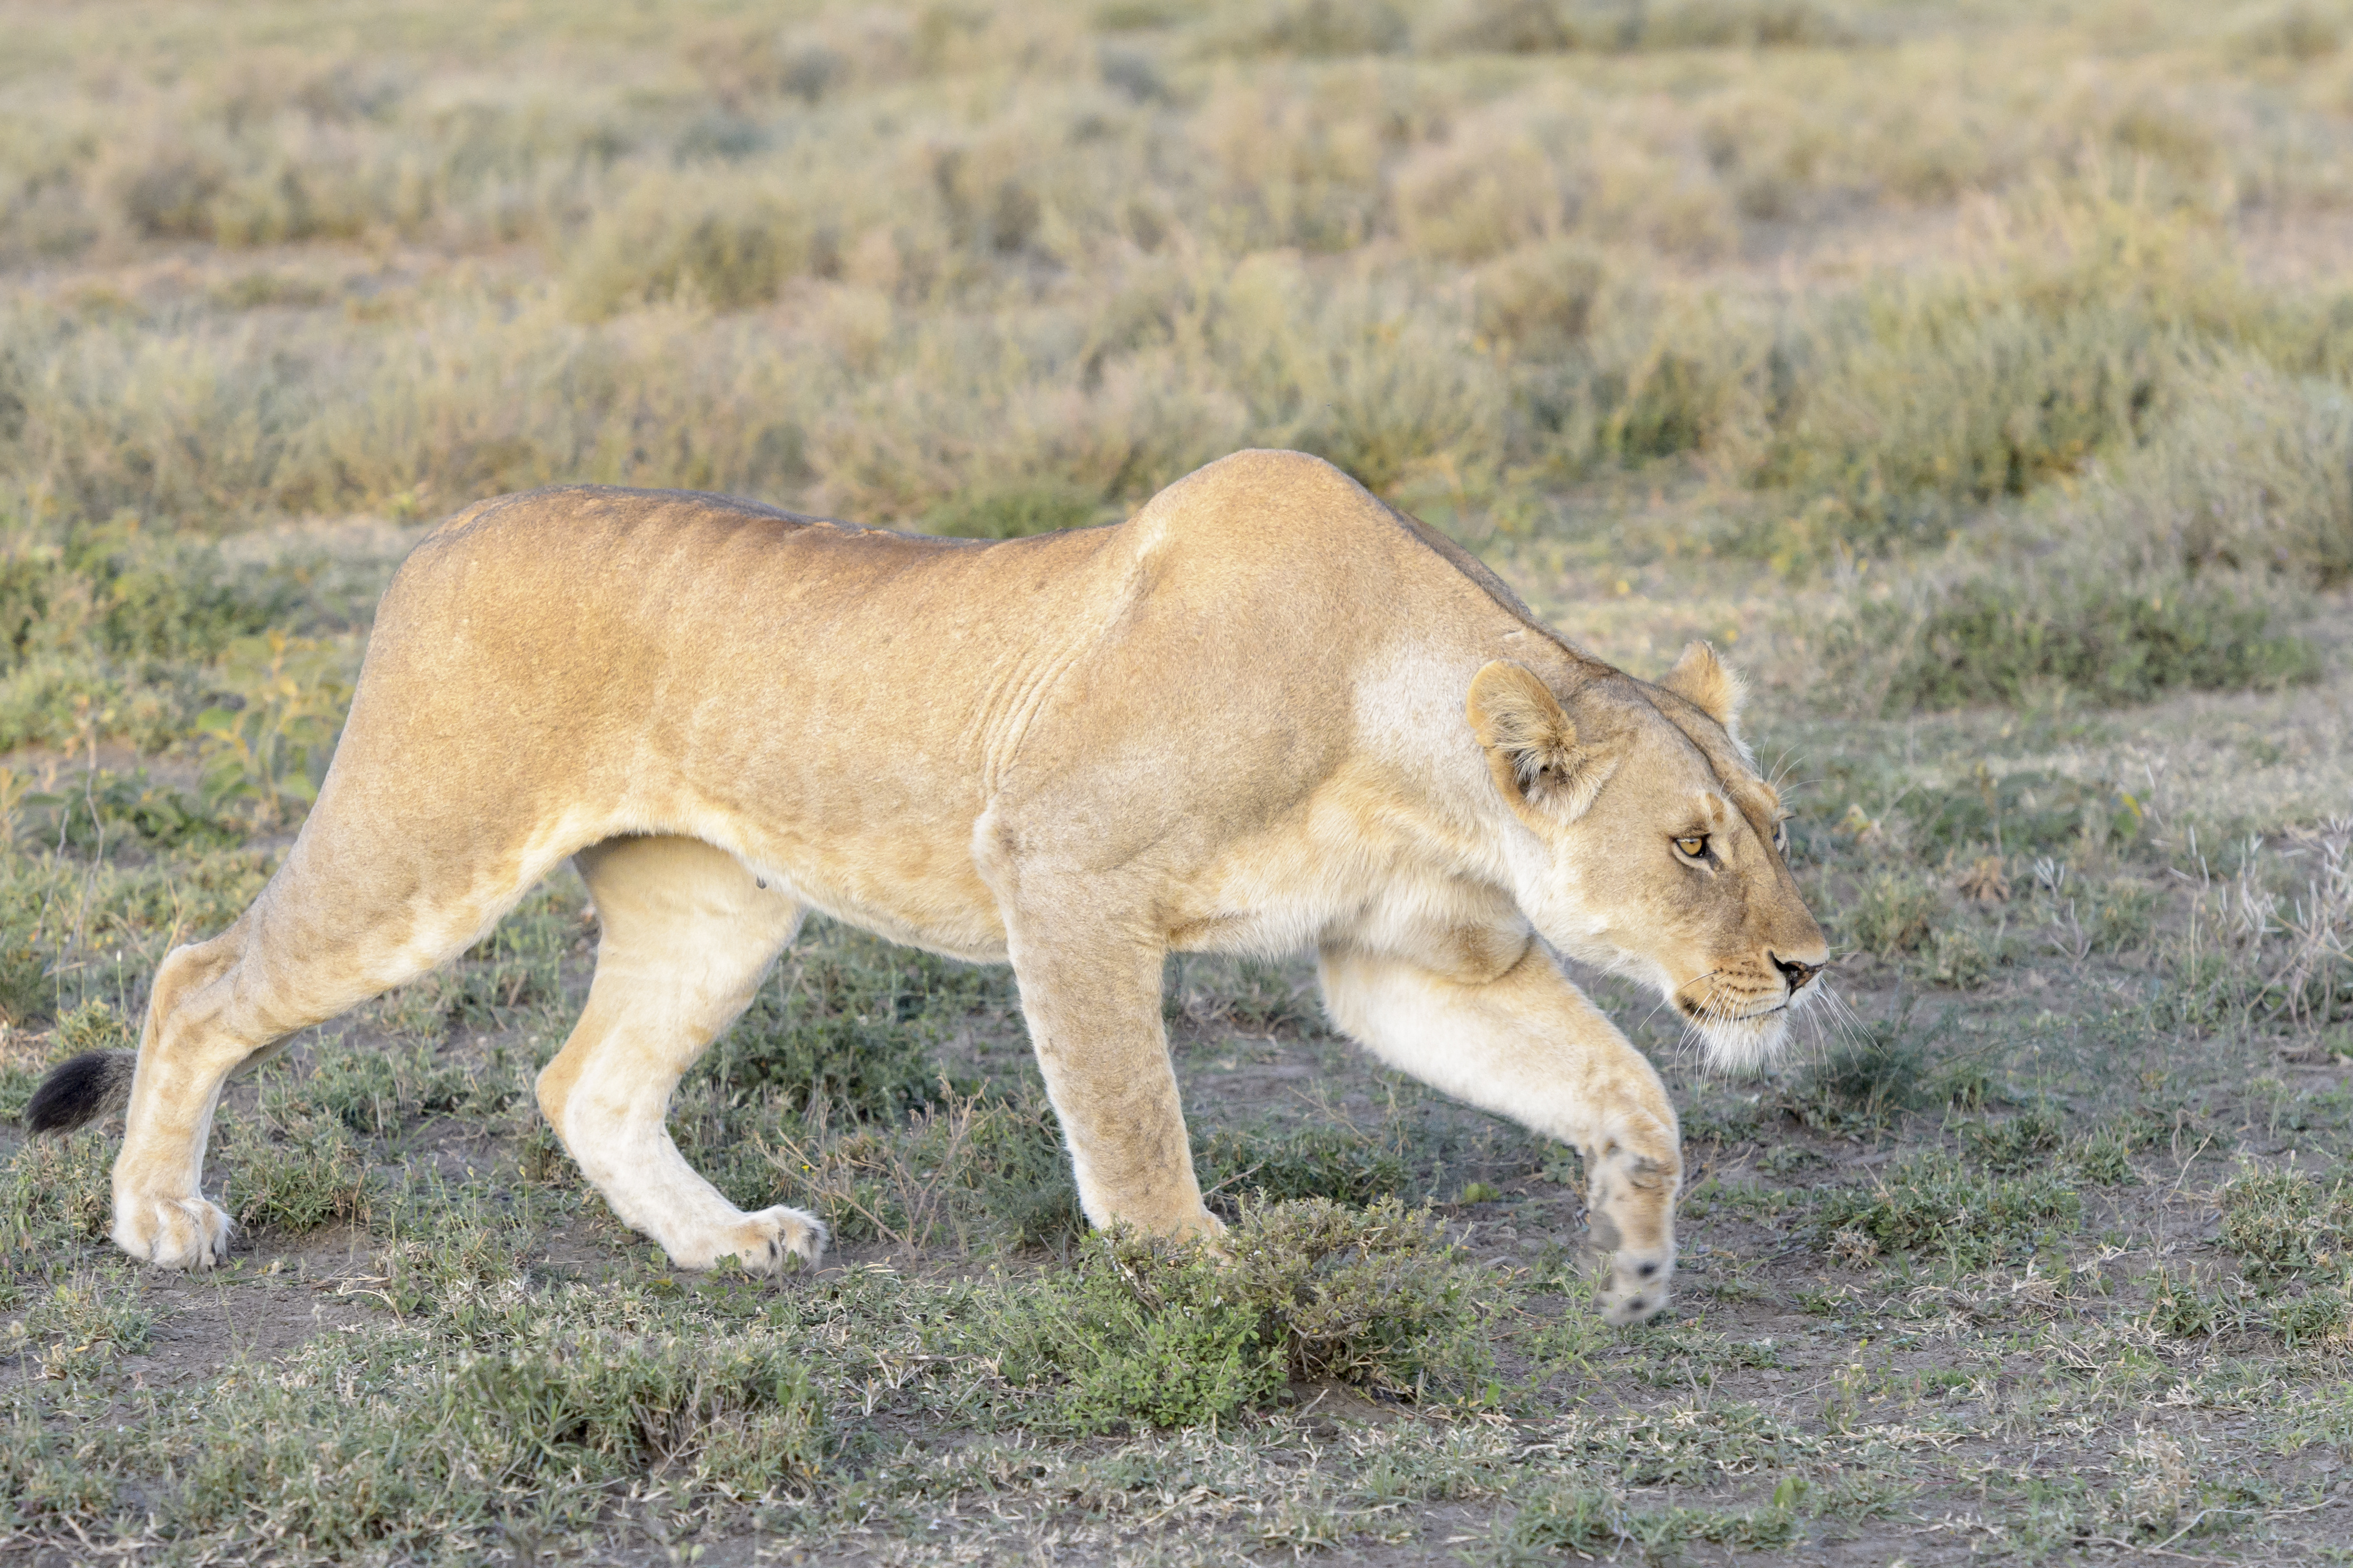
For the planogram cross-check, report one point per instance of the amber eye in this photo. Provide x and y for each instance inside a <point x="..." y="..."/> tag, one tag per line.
<point x="1694" y="846"/>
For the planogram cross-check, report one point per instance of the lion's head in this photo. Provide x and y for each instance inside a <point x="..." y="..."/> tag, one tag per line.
<point x="1653" y="846"/>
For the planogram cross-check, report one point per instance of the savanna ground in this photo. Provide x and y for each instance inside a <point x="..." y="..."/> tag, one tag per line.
<point x="1977" y="376"/>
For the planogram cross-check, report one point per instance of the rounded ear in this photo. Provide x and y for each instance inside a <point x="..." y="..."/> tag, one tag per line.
<point x="1539" y="765"/>
<point x="1700" y="679"/>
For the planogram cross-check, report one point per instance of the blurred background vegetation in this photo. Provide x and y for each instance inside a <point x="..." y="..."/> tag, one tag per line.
<point x="2044" y="305"/>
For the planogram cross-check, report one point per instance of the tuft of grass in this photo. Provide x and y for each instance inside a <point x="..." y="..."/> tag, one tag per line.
<point x="699" y="241"/>
<point x="304" y="1174"/>
<point x="2284" y="1224"/>
<point x="964" y="1167"/>
<point x="55" y="1191"/>
<point x="2253" y="475"/>
<point x="2014" y="1143"/>
<point x="1933" y="1204"/>
<point x="294" y="1455"/>
<point x="377" y="1092"/>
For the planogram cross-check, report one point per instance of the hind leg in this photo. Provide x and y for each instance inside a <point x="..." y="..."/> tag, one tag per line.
<point x="161" y="1215"/>
<point x="688" y="933"/>
<point x="313" y="945"/>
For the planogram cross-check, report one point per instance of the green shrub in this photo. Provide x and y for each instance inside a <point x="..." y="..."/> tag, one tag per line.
<point x="2002" y="640"/>
<point x="1936" y="398"/>
<point x="1934" y="1205"/>
<point x="2254" y="474"/>
<point x="715" y="244"/>
<point x="1161" y="1334"/>
<point x="105" y="808"/>
<point x="1959" y="958"/>
<point x="128" y="592"/>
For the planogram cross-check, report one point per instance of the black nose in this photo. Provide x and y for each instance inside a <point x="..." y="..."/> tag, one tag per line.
<point x="1796" y="973"/>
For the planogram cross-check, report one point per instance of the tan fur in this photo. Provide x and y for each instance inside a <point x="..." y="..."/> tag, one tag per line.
<point x="1266" y="712"/>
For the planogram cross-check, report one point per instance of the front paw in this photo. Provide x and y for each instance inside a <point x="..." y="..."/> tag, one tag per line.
<point x="173" y="1233"/>
<point x="776" y="1239"/>
<point x="1636" y="1289"/>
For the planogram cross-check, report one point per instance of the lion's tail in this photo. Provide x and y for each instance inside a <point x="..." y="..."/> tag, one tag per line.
<point x="83" y="1089"/>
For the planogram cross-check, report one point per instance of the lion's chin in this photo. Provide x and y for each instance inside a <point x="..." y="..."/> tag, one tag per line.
<point x="1746" y="1045"/>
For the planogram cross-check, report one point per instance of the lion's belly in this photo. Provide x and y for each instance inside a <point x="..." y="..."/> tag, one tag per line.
<point x="915" y="884"/>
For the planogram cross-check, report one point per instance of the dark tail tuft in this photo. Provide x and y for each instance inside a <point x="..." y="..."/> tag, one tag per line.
<point x="81" y="1090"/>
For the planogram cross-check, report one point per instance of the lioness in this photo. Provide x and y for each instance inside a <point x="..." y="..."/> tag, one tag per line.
<point x="1264" y="712"/>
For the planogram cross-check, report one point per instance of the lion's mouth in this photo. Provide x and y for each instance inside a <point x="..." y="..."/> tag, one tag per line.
<point x="1699" y="1013"/>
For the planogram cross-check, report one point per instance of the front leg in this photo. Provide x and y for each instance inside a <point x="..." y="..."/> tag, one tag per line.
<point x="1524" y="1043"/>
<point x="1092" y="1000"/>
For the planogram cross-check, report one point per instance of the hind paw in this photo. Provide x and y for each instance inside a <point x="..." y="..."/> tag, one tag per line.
<point x="173" y="1233"/>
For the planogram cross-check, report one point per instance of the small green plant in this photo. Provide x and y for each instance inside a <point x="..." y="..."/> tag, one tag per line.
<point x="852" y="1022"/>
<point x="1959" y="958"/>
<point x="95" y="1025"/>
<point x="89" y="1320"/>
<point x="1894" y="912"/>
<point x="104" y="809"/>
<point x="2105" y="1159"/>
<point x="270" y="750"/>
<point x="2180" y="1308"/>
<point x="375" y="1092"/>
<point x="2321" y="1317"/>
<point x="54" y="1191"/>
<point x="2125" y="914"/>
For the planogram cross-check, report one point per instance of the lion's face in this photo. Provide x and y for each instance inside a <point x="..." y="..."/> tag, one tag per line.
<point x="1653" y="848"/>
